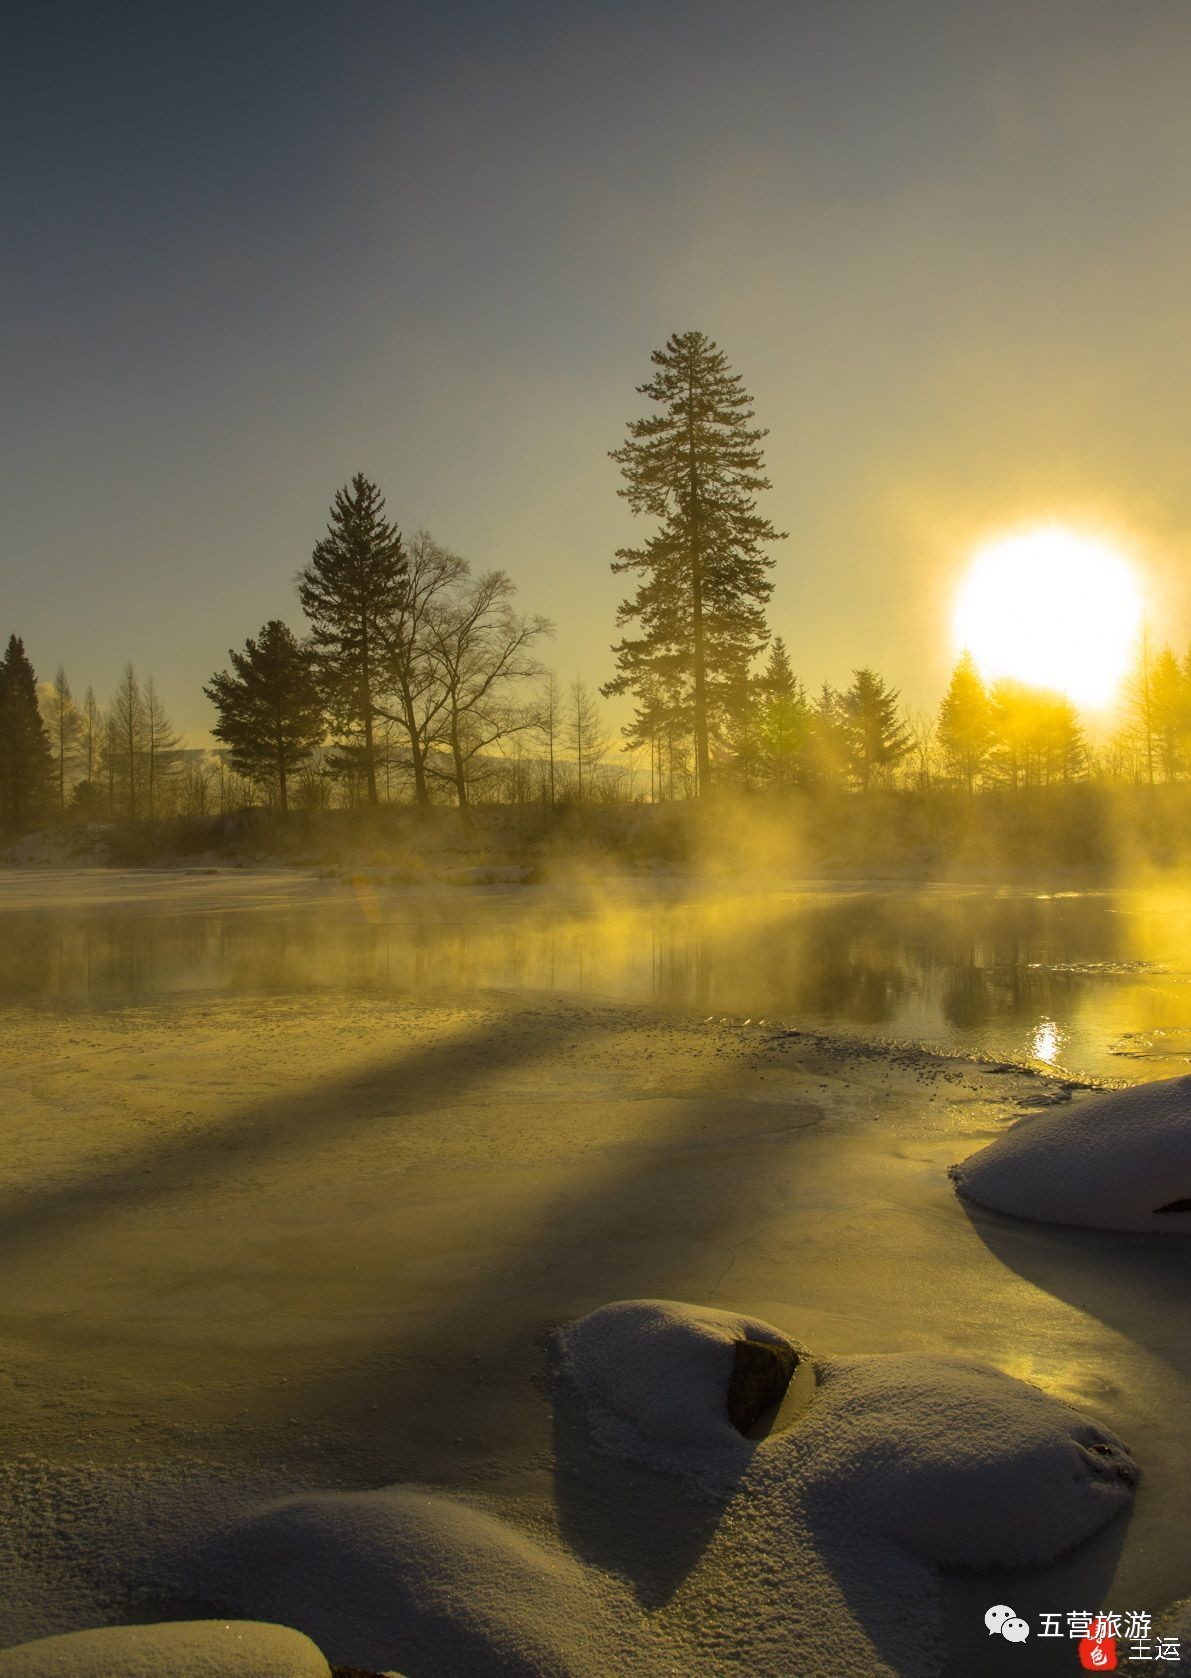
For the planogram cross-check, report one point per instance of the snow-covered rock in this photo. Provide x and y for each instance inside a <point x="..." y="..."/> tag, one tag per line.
<point x="950" y="1458"/>
<point x="956" y="1460"/>
<point x="664" y="1369"/>
<point x="405" y="1577"/>
<point x="1120" y="1160"/>
<point x="182" y="1649"/>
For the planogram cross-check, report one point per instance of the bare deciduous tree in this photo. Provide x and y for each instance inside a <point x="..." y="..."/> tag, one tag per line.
<point x="479" y="648"/>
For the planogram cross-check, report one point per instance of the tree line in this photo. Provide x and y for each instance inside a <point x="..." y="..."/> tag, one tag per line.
<point x="418" y="679"/>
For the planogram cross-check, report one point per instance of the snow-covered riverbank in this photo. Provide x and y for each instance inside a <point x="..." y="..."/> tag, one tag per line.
<point x="258" y="1245"/>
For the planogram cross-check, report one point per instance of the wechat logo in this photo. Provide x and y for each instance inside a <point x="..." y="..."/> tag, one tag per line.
<point x="1003" y="1622"/>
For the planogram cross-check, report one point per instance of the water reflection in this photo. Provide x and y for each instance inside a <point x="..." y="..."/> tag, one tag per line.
<point x="1092" y="982"/>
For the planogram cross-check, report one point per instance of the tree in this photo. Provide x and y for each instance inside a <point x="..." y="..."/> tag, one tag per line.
<point x="413" y="695"/>
<point x="270" y="710"/>
<point x="965" y="722"/>
<point x="785" y="721"/>
<point x="91" y="734"/>
<point x="64" y="725"/>
<point x="1169" y="708"/>
<point x="696" y="466"/>
<point x="743" y="731"/>
<point x="1139" y="699"/>
<point x="26" y="759"/>
<point x="478" y="648"/>
<point x="1037" y="736"/>
<point x="584" y="733"/>
<point x="875" y="738"/>
<point x="827" y="741"/>
<point x="547" y="722"/>
<point x="128" y="742"/>
<point x="161" y="749"/>
<point x="350" y="591"/>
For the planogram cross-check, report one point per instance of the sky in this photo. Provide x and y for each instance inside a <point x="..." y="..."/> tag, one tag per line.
<point x="251" y="249"/>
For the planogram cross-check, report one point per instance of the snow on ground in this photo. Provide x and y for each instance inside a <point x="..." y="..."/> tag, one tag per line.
<point x="958" y="1461"/>
<point x="1120" y="1160"/>
<point x="402" y="1574"/>
<point x="892" y="1455"/>
<point x="311" y="1243"/>
<point x="656" y="1375"/>
<point x="188" y="1649"/>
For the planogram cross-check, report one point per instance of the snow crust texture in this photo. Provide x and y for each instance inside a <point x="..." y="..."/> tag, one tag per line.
<point x="403" y="1574"/>
<point x="957" y="1461"/>
<point x="184" y="1649"/>
<point x="656" y="1375"/>
<point x="799" y="1541"/>
<point x="1120" y="1160"/>
<point x="952" y="1459"/>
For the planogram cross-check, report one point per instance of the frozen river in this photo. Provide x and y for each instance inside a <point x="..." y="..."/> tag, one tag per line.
<point x="1093" y="983"/>
<point x="296" y="1174"/>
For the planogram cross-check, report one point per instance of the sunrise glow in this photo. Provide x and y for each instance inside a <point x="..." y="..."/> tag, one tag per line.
<point x="1052" y="607"/>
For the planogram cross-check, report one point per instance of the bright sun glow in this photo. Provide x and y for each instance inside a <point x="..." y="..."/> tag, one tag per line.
<point x="1054" y="608"/>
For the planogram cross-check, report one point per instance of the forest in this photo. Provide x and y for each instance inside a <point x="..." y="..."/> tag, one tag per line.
<point x="417" y="680"/>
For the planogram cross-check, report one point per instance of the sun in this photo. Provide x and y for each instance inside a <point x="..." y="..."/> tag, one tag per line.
<point x="1053" y="607"/>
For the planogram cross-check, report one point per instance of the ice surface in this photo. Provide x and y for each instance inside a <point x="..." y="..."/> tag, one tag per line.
<point x="1110" y="1162"/>
<point x="183" y="1649"/>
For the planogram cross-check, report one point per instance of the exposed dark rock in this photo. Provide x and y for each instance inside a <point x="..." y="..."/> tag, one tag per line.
<point x="761" y="1373"/>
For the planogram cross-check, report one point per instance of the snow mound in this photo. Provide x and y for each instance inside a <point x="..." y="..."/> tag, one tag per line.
<point x="185" y="1649"/>
<point x="405" y="1577"/>
<point x="1121" y="1160"/>
<point x="955" y="1460"/>
<point x="655" y="1374"/>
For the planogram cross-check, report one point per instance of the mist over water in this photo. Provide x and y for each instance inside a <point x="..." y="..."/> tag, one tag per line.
<point x="1091" y="983"/>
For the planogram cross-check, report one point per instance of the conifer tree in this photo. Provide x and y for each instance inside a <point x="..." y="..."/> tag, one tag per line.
<point x="351" y="590"/>
<point x="874" y="733"/>
<point x="696" y="466"/>
<point x="965" y="722"/>
<point x="65" y="725"/>
<point x="270" y="711"/>
<point x="26" y="758"/>
<point x="785" y="720"/>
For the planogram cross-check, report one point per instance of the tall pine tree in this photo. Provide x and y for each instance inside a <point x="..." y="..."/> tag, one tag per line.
<point x="26" y="758"/>
<point x="696" y="466"/>
<point x="270" y="711"/>
<point x="351" y="591"/>
<point x="966" y="722"/>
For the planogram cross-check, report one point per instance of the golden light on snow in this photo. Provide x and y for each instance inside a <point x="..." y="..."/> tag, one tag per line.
<point x="1052" y="607"/>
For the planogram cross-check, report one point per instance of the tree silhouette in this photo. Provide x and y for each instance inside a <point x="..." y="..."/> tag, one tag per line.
<point x="270" y="710"/>
<point x="874" y="736"/>
<point x="478" y="648"/>
<point x="965" y="722"/>
<point x="695" y="466"/>
<point x="26" y="759"/>
<point x="785" y="720"/>
<point x="350" y="591"/>
<point x="65" y="726"/>
<point x="1037" y="738"/>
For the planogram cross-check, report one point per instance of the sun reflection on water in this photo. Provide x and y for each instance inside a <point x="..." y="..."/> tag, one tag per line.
<point x="1047" y="1042"/>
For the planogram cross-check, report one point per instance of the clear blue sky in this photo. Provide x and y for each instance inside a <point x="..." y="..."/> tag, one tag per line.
<point x="251" y="248"/>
